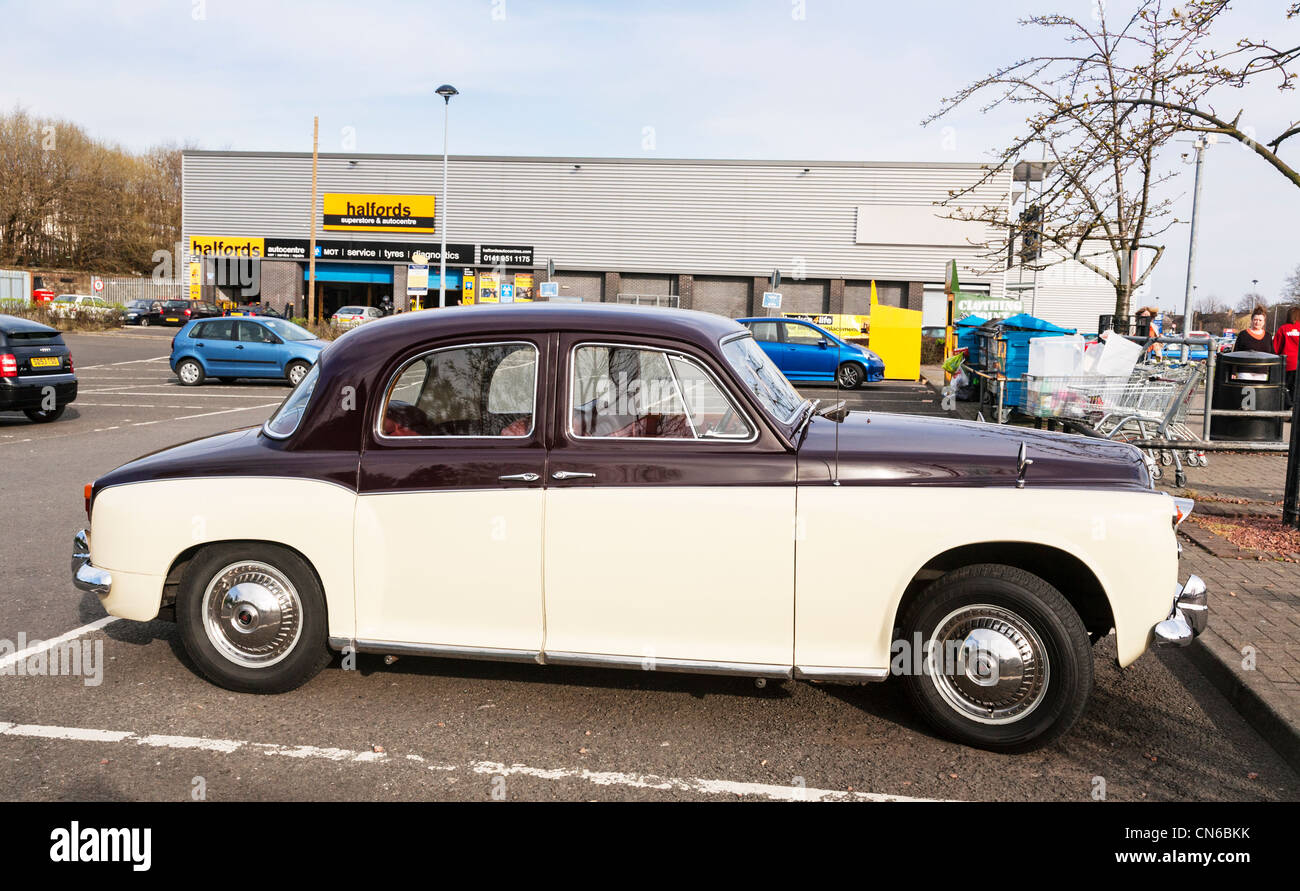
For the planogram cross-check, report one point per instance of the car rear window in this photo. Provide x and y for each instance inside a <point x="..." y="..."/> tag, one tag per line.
<point x="32" y="337"/>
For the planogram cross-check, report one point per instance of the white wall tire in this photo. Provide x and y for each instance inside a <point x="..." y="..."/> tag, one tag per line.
<point x="1024" y="670"/>
<point x="252" y="617"/>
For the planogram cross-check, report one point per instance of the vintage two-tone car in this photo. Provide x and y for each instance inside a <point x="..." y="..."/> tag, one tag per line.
<point x="641" y="488"/>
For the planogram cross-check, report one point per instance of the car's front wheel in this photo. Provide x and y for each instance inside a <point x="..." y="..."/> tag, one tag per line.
<point x="144" y="323"/>
<point x="851" y="375"/>
<point x="252" y="617"/>
<point x="1006" y="661"/>
<point x="190" y="372"/>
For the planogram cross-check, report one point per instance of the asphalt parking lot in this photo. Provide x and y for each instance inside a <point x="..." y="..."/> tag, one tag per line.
<point x="428" y="729"/>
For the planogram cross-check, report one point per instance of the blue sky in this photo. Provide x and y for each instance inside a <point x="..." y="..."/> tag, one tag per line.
<point x="846" y="81"/>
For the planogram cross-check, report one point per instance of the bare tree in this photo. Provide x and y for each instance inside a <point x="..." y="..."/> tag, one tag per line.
<point x="1103" y="109"/>
<point x="1291" y="287"/>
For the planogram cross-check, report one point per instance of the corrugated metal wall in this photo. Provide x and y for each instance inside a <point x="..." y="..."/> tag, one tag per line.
<point x="627" y="215"/>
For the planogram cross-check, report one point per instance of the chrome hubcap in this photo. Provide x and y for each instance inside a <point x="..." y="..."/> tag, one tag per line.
<point x="988" y="664"/>
<point x="252" y="614"/>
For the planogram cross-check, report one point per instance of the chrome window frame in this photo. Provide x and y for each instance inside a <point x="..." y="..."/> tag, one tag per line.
<point x="392" y="381"/>
<point x="668" y="353"/>
<point x="741" y="336"/>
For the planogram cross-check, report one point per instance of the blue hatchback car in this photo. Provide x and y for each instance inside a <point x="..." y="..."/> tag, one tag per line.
<point x="806" y="352"/>
<point x="250" y="347"/>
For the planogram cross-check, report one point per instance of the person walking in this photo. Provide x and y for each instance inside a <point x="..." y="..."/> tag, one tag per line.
<point x="1254" y="337"/>
<point x="1286" y="343"/>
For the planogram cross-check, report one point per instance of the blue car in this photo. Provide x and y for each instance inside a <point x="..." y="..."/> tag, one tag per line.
<point x="228" y="349"/>
<point x="805" y="352"/>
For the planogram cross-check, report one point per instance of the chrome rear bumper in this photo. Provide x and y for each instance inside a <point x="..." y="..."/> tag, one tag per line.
<point x="85" y="575"/>
<point x="1188" y="618"/>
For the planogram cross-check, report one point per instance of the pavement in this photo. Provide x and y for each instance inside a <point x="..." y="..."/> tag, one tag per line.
<point x="147" y="726"/>
<point x="1251" y="649"/>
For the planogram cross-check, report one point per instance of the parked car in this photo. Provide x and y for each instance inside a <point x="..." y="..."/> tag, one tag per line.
<point x="349" y="316"/>
<point x="180" y="312"/>
<point x="252" y="309"/>
<point x="36" y="373"/>
<point x="1195" y="352"/>
<point x="807" y="352"/>
<point x="680" y="506"/>
<point x="65" y="305"/>
<point x="229" y="349"/>
<point x="144" y="313"/>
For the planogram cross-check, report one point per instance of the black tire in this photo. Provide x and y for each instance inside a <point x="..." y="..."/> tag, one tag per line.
<point x="1050" y="698"/>
<point x="42" y="416"/>
<point x="143" y="323"/>
<point x="198" y="376"/>
<point x="295" y="655"/>
<point x="851" y="375"/>
<point x="296" y="366"/>
<point x="227" y="380"/>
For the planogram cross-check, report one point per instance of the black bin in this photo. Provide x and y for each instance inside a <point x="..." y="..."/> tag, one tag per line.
<point x="1247" y="381"/>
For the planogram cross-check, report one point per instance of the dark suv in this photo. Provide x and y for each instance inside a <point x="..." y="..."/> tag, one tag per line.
<point x="35" y="370"/>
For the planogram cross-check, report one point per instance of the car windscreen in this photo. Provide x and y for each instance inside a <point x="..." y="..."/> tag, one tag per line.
<point x="761" y="377"/>
<point x="286" y="419"/>
<point x="288" y="330"/>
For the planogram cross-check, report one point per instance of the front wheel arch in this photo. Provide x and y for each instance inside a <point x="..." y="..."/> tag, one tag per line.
<point x="182" y="560"/>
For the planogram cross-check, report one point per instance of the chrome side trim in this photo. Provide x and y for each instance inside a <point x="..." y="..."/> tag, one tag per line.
<point x="687" y="666"/>
<point x="832" y="675"/>
<point x="404" y="648"/>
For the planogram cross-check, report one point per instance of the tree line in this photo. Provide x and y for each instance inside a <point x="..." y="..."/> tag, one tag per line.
<point x="69" y="201"/>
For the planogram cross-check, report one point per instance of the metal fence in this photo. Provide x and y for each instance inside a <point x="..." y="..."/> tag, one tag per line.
<point x="124" y="290"/>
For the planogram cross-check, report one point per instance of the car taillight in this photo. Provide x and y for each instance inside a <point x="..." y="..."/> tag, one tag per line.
<point x="187" y="312"/>
<point x="90" y="487"/>
<point x="70" y="368"/>
<point x="8" y="365"/>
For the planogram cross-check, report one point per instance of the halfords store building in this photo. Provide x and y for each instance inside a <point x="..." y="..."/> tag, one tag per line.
<point x="695" y="234"/>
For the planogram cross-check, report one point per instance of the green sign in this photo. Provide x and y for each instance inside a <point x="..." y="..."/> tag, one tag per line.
<point x="968" y="304"/>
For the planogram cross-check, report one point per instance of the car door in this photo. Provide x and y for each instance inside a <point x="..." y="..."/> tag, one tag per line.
<point x="449" y="521"/>
<point x="214" y="343"/>
<point x="258" y="351"/>
<point x="669" y="517"/>
<point x="811" y="355"/>
<point x="770" y="338"/>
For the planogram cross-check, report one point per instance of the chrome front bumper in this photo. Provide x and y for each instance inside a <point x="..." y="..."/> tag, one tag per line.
<point x="85" y="575"/>
<point x="1190" y="614"/>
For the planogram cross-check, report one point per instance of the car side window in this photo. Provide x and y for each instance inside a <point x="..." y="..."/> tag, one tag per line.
<point x="251" y="332"/>
<point x="802" y="334"/>
<point x="487" y="390"/>
<point x="216" y="330"/>
<point x="767" y="332"/>
<point x="641" y="393"/>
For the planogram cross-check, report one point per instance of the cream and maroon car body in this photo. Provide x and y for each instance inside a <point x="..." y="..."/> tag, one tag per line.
<point x="786" y="547"/>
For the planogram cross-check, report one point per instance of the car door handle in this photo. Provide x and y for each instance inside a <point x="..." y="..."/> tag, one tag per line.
<point x="239" y="347"/>
<point x="519" y="478"/>
<point x="571" y="475"/>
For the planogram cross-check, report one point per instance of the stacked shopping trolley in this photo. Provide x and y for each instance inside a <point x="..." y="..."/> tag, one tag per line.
<point x="1149" y="402"/>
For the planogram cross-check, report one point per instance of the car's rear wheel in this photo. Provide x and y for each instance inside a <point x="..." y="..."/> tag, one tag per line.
<point x="144" y="323"/>
<point x="190" y="372"/>
<point x="295" y="371"/>
<point x="1007" y="659"/>
<point x="252" y="617"/>
<point x="44" y="416"/>
<point x="851" y="375"/>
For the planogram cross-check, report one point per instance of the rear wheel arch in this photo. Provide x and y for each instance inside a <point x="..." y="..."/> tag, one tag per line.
<point x="1059" y="568"/>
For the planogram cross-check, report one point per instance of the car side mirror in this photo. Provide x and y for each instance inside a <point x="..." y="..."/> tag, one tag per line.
<point x="822" y="343"/>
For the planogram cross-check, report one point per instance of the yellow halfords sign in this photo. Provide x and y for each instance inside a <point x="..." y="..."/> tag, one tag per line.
<point x="221" y="246"/>
<point x="377" y="213"/>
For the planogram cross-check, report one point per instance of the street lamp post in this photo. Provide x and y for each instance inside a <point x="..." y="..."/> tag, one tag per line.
<point x="446" y="91"/>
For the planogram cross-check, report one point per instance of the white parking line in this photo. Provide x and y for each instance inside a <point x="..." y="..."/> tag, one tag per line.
<point x="42" y="646"/>
<point x="128" y="362"/>
<point x="723" y="788"/>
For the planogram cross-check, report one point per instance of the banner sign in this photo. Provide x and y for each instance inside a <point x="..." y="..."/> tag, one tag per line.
<point x="489" y="285"/>
<point x="353" y="251"/>
<point x="839" y="324"/>
<point x="377" y="213"/>
<point x="505" y="255"/>
<point x="523" y="287"/>
<point x="968" y="304"/>
<point x="417" y="280"/>
<point x="467" y="295"/>
<point x="223" y="246"/>
<point x="196" y="281"/>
